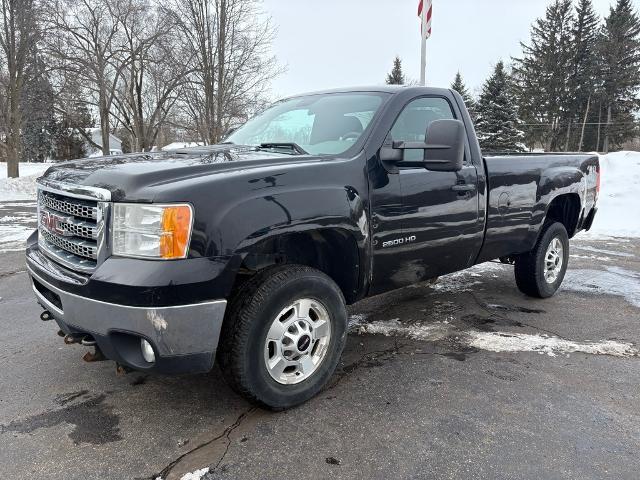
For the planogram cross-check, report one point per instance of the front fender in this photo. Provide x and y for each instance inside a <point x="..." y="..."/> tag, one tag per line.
<point x="293" y="211"/>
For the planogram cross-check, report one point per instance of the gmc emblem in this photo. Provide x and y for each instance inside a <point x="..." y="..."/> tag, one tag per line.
<point x="53" y="223"/>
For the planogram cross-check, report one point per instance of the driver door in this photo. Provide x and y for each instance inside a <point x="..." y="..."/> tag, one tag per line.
<point x="440" y="218"/>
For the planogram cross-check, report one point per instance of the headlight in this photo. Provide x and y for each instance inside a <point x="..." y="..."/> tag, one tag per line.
<point x="151" y="231"/>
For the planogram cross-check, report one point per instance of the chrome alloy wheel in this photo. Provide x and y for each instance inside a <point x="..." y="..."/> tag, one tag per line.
<point x="297" y="341"/>
<point x="553" y="260"/>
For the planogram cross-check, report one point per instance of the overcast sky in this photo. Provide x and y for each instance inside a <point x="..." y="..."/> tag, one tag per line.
<point x="336" y="43"/>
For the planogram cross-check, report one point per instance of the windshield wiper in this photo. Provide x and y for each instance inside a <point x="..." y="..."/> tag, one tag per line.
<point x="294" y="147"/>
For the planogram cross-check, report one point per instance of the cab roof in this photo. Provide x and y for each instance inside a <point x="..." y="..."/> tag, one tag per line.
<point x="392" y="89"/>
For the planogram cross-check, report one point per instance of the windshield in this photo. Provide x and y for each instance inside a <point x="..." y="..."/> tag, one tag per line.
<point x="319" y="124"/>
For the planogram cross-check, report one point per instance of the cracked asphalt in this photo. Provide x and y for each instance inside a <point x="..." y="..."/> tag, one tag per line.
<point x="396" y="408"/>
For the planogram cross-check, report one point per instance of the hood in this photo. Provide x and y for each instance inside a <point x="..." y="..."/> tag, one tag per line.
<point x="128" y="176"/>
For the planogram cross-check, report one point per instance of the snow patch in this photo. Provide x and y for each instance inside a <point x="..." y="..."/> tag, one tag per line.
<point x="417" y="331"/>
<point x="498" y="341"/>
<point x="603" y="251"/>
<point x="197" y="475"/>
<point x="356" y="320"/>
<point x="12" y="237"/>
<point x="619" y="186"/>
<point x="613" y="281"/>
<point x="464" y="280"/>
<point x="546" y="345"/>
<point x="24" y="187"/>
<point x="591" y="257"/>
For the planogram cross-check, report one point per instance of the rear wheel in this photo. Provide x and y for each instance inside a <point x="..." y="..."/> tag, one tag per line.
<point x="540" y="272"/>
<point x="283" y="336"/>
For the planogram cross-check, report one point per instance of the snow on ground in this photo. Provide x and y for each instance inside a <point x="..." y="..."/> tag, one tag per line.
<point x="13" y="237"/>
<point x="465" y="280"/>
<point x="24" y="187"/>
<point x="611" y="281"/>
<point x="546" y="344"/>
<point x="493" y="341"/>
<point x="602" y="251"/>
<point x="17" y="222"/>
<point x="197" y="475"/>
<point x="619" y="203"/>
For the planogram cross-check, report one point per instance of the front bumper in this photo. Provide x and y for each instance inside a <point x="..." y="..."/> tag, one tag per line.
<point x="184" y="337"/>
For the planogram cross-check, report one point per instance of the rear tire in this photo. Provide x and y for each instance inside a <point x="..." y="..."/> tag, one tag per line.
<point x="539" y="273"/>
<point x="283" y="336"/>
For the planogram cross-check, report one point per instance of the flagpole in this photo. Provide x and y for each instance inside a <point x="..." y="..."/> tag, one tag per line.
<point x="423" y="61"/>
<point x="423" y="45"/>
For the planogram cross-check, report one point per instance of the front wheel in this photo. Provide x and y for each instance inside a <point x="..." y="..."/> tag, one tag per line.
<point x="283" y="336"/>
<point x="540" y="272"/>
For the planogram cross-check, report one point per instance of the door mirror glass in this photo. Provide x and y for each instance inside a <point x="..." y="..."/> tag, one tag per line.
<point x="425" y="135"/>
<point x="443" y="150"/>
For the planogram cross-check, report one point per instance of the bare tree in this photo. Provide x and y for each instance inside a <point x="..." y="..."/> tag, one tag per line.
<point x="19" y="34"/>
<point x="88" y="42"/>
<point x="158" y="66"/>
<point x="231" y="40"/>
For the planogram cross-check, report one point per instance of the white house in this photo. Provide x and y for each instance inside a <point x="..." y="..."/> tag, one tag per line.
<point x="115" y="144"/>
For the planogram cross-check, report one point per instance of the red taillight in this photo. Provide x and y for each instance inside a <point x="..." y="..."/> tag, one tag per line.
<point x="597" y="181"/>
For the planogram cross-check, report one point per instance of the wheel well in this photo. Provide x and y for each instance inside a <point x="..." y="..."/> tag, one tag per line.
<point x="332" y="251"/>
<point x="566" y="210"/>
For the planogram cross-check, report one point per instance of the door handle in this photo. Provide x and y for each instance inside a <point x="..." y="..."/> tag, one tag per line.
<point x="465" y="187"/>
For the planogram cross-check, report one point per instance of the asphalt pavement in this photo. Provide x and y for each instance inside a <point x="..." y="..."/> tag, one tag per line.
<point x="417" y="395"/>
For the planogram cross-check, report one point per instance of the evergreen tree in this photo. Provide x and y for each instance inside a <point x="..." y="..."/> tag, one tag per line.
<point x="541" y="76"/>
<point x="459" y="86"/>
<point x="70" y="143"/>
<point x="620" y="55"/>
<point x="396" y="77"/>
<point x="583" y="81"/>
<point x="37" y="106"/>
<point x="497" y="120"/>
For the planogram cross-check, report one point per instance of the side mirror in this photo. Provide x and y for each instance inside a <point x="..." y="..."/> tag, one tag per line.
<point x="443" y="148"/>
<point x="389" y="152"/>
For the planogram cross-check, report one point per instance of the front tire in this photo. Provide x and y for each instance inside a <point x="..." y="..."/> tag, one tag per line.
<point x="283" y="336"/>
<point x="539" y="273"/>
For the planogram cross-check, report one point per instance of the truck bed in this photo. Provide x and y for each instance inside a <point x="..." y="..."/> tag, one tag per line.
<point x="522" y="187"/>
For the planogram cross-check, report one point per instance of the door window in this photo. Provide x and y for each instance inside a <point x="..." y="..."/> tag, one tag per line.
<point x="413" y="121"/>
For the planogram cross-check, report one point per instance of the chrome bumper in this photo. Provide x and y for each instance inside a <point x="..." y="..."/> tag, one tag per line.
<point x="173" y="331"/>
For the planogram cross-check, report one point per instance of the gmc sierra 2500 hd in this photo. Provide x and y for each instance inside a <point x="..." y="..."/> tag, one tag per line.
<point x="248" y="251"/>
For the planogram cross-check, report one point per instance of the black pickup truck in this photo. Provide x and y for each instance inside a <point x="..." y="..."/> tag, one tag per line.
<point x="247" y="252"/>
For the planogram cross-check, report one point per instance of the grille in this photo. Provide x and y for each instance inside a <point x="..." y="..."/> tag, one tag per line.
<point x="82" y="248"/>
<point x="80" y="229"/>
<point x="70" y="229"/>
<point x="71" y="206"/>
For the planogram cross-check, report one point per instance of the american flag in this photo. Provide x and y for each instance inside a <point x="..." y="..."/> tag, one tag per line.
<point x="425" y="19"/>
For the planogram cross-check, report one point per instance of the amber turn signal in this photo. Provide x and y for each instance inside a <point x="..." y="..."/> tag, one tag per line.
<point x="176" y="230"/>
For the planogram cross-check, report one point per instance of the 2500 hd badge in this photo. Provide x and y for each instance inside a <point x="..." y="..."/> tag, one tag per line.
<point x="399" y="241"/>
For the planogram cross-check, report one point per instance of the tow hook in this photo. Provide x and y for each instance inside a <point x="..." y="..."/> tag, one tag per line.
<point x="46" y="316"/>
<point x="95" y="356"/>
<point x="88" y="341"/>
<point x="122" y="369"/>
<point x="72" y="338"/>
